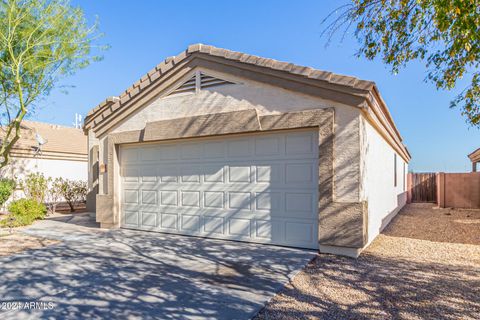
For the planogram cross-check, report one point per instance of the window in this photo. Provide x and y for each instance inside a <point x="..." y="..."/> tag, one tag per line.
<point x="394" y="169"/>
<point x="404" y="187"/>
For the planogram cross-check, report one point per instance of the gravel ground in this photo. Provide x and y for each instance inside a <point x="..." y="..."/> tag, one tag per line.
<point x="425" y="265"/>
<point x="17" y="242"/>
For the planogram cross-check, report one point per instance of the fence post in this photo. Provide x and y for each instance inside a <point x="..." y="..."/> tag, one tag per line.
<point x="441" y="189"/>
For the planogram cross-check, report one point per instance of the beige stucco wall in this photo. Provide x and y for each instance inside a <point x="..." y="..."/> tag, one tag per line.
<point x="19" y="168"/>
<point x="68" y="169"/>
<point x="377" y="179"/>
<point x="246" y="94"/>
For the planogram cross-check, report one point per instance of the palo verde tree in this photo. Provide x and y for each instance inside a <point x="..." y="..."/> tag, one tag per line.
<point x="444" y="34"/>
<point x="40" y="42"/>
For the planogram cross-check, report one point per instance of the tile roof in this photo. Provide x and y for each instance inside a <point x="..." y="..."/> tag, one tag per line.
<point x="291" y="68"/>
<point x="475" y="155"/>
<point x="61" y="140"/>
<point x="103" y="116"/>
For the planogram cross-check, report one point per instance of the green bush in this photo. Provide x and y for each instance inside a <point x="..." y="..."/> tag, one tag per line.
<point x="35" y="186"/>
<point x="6" y="189"/>
<point x="74" y="191"/>
<point x="23" y="212"/>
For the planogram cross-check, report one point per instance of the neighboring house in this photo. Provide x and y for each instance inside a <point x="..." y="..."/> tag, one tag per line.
<point x="63" y="154"/>
<point x="475" y="158"/>
<point x="222" y="144"/>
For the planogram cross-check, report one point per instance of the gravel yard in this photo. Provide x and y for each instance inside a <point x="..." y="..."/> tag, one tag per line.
<point x="17" y="242"/>
<point x="426" y="264"/>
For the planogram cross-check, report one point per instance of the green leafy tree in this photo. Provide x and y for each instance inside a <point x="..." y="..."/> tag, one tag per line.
<point x="40" y="42"/>
<point x="444" y="34"/>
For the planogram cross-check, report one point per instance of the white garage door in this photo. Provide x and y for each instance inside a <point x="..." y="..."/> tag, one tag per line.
<point x="255" y="188"/>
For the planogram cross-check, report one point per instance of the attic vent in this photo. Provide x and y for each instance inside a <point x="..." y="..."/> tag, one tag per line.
<point x="207" y="81"/>
<point x="200" y="81"/>
<point x="188" y="86"/>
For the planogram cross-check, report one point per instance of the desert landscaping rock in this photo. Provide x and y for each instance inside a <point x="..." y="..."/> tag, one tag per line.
<point x="425" y="265"/>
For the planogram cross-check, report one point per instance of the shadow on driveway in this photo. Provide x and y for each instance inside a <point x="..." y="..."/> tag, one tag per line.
<point x="134" y="274"/>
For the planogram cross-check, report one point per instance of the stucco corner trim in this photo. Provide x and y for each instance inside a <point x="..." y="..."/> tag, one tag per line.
<point x="343" y="224"/>
<point x="104" y="207"/>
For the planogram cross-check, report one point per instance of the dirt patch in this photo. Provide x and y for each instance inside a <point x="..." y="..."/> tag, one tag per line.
<point x="425" y="265"/>
<point x="17" y="242"/>
<point x="425" y="222"/>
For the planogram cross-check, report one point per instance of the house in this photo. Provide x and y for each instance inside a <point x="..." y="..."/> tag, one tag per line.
<point x="55" y="151"/>
<point x="475" y="158"/>
<point x="221" y="144"/>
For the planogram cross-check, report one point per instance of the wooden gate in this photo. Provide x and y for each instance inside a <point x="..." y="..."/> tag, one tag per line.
<point x="423" y="187"/>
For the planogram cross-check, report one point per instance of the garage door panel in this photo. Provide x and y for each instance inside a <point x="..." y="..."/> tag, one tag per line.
<point x="168" y="173"/>
<point x="213" y="225"/>
<point x="149" y="219"/>
<point x="148" y="174"/>
<point x="149" y="154"/>
<point x="269" y="230"/>
<point x="129" y="155"/>
<point x="130" y="196"/>
<point x="268" y="201"/>
<point x="190" y="174"/>
<point x="269" y="146"/>
<point x="190" y="198"/>
<point x="130" y="173"/>
<point x="239" y="148"/>
<point x="214" y="199"/>
<point x="168" y="197"/>
<point x="168" y="221"/>
<point x="191" y="151"/>
<point x="239" y="174"/>
<point x="269" y="173"/>
<point x="298" y="232"/>
<point x="214" y="174"/>
<point x="149" y="197"/>
<point x="299" y="173"/>
<point x="214" y="150"/>
<point x="131" y="218"/>
<point x="238" y="200"/>
<point x="299" y="203"/>
<point x="300" y="143"/>
<point x="240" y="227"/>
<point x="190" y="223"/>
<point x="260" y="188"/>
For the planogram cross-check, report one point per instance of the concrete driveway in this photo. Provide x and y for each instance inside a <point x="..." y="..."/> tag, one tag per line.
<point x="125" y="274"/>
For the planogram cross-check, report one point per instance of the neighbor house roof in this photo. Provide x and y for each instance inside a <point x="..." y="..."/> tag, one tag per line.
<point x="63" y="143"/>
<point x="475" y="156"/>
<point x="345" y="89"/>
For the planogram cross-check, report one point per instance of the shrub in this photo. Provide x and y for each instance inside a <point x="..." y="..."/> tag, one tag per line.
<point x="54" y="193"/>
<point x="35" y="186"/>
<point x="6" y="189"/>
<point x="23" y="212"/>
<point x="74" y="191"/>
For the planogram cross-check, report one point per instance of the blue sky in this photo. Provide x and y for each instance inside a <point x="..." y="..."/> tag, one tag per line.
<point x="142" y="33"/>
